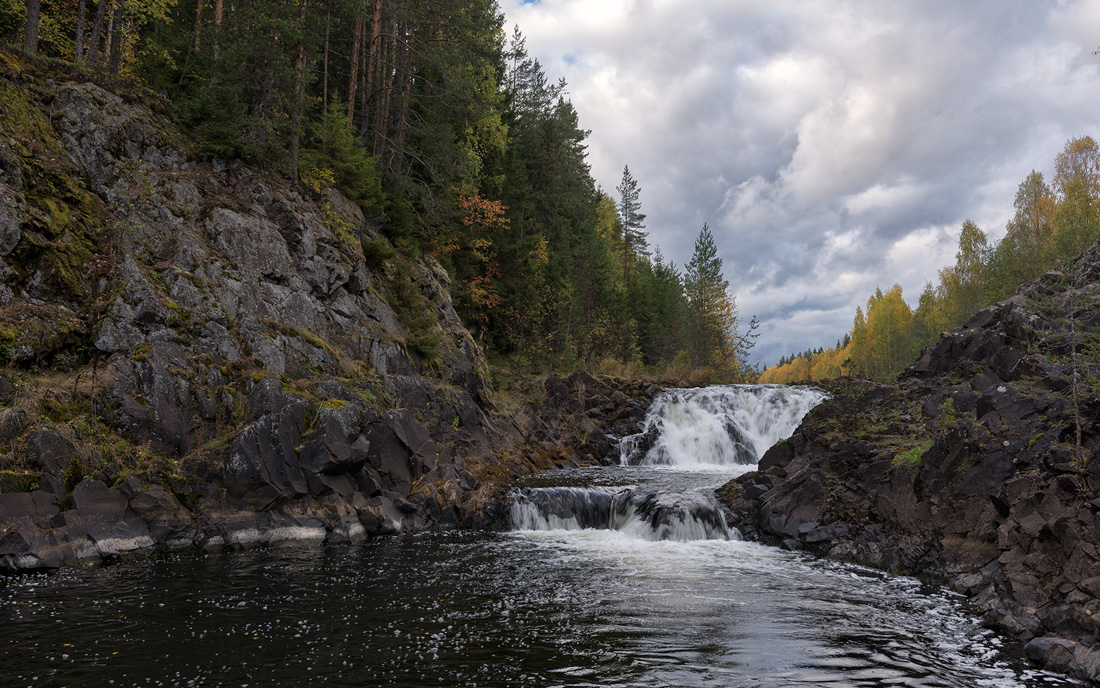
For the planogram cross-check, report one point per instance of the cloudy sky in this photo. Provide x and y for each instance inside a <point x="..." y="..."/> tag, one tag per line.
<point x="832" y="145"/>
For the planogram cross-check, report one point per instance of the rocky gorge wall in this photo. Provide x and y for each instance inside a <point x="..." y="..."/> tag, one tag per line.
<point x="979" y="468"/>
<point x="198" y="354"/>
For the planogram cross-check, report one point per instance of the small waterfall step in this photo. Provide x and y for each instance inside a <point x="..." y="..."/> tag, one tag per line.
<point x="645" y="514"/>
<point x="717" y="426"/>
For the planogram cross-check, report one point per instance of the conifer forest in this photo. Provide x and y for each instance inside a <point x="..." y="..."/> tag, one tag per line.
<point x="452" y="138"/>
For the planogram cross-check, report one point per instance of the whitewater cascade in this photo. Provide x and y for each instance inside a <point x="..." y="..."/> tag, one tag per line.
<point x="732" y="424"/>
<point x="644" y="514"/>
<point x="728" y="426"/>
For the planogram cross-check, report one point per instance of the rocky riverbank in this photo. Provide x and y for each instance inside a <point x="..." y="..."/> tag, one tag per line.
<point x="201" y="354"/>
<point x="300" y="472"/>
<point x="979" y="468"/>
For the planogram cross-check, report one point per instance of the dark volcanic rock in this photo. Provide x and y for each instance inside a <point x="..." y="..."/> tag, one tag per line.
<point x="168" y="521"/>
<point x="585" y="415"/>
<point x="262" y="469"/>
<point x="53" y="451"/>
<point x="967" y="470"/>
<point x="12" y="422"/>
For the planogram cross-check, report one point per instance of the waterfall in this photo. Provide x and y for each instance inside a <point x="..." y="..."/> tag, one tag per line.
<point x="730" y="426"/>
<point x="722" y="425"/>
<point x="643" y="514"/>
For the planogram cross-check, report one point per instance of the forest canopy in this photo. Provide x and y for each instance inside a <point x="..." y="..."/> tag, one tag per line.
<point x="453" y="140"/>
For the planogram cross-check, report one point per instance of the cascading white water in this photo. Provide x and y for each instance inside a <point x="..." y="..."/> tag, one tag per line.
<point x="646" y="515"/>
<point x="724" y="425"/>
<point x="563" y="508"/>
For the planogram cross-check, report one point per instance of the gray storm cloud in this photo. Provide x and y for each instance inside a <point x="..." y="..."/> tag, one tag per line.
<point x="832" y="146"/>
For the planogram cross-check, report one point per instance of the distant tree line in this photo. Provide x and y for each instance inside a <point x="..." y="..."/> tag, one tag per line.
<point x="452" y="139"/>
<point x="1053" y="223"/>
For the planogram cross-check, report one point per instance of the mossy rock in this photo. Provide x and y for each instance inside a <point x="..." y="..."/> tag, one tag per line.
<point x="45" y="333"/>
<point x="9" y="64"/>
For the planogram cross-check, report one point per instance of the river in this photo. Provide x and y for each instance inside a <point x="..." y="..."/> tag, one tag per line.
<point x="622" y="576"/>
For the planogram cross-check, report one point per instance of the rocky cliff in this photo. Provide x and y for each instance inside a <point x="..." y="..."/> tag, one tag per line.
<point x="199" y="354"/>
<point x="979" y="468"/>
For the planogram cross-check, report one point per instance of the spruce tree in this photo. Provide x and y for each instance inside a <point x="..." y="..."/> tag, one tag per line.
<point x="713" y="313"/>
<point x="634" y="236"/>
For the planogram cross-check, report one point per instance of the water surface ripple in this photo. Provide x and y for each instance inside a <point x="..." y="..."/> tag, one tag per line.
<point x="551" y="608"/>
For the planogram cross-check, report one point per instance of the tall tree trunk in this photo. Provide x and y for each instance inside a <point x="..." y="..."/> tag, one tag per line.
<point x="324" y="75"/>
<point x="198" y="26"/>
<point x="397" y="152"/>
<point x="363" y="76"/>
<point x="219" y="6"/>
<point x="116" y="39"/>
<point x="111" y="28"/>
<point x="97" y="29"/>
<point x="299" y="91"/>
<point x="30" y="36"/>
<point x="268" y="87"/>
<point x="389" y="51"/>
<point x="78" y="52"/>
<point x="371" y="69"/>
<point x="353" y="78"/>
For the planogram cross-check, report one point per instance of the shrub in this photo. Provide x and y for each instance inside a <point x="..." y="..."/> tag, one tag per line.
<point x="377" y="252"/>
<point x="948" y="418"/>
<point x="355" y="173"/>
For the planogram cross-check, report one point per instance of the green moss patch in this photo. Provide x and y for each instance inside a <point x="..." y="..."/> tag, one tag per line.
<point x="46" y="334"/>
<point x="914" y="455"/>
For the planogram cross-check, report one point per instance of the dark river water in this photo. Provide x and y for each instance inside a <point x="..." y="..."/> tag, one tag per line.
<point x="550" y="605"/>
<point x="538" y="608"/>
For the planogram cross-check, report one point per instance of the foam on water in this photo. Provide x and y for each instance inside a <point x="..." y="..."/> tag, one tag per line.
<point x="667" y="570"/>
<point x="724" y="429"/>
<point x="826" y="623"/>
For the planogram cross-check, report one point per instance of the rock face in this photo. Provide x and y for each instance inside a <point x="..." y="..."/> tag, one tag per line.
<point x="585" y="416"/>
<point x="202" y="356"/>
<point x="979" y="468"/>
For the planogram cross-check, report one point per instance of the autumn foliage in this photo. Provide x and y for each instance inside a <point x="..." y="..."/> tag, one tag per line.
<point x="1051" y="225"/>
<point x="471" y="246"/>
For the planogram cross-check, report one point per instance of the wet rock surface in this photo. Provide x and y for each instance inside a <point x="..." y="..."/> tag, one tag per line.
<point x="968" y="470"/>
